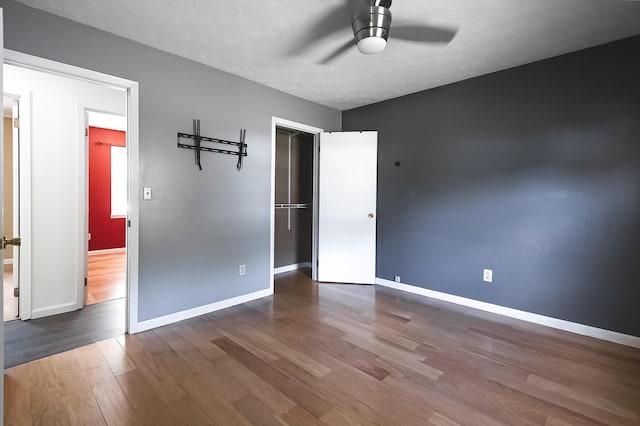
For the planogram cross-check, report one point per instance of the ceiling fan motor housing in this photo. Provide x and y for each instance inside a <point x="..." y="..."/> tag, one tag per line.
<point x="375" y="22"/>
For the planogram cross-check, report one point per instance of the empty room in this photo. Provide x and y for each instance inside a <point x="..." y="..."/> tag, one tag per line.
<point x="344" y="212"/>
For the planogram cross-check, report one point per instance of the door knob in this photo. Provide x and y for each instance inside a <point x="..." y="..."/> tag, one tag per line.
<point x="12" y="241"/>
<point x="370" y="215"/>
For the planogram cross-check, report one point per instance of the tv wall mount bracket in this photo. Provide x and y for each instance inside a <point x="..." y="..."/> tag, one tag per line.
<point x="198" y="147"/>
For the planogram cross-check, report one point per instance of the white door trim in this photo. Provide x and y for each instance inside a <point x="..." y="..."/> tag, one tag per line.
<point x="33" y="62"/>
<point x="15" y="162"/>
<point x="315" y="131"/>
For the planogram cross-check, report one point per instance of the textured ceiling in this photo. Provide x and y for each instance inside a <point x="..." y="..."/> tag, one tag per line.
<point x="257" y="39"/>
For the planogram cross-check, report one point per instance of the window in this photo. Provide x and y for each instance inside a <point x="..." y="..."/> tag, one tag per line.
<point x="118" y="181"/>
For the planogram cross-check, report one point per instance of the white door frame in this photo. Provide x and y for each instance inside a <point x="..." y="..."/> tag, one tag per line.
<point x="132" y="110"/>
<point x="315" y="131"/>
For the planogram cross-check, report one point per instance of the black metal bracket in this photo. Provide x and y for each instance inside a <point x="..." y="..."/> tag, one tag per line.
<point x="197" y="146"/>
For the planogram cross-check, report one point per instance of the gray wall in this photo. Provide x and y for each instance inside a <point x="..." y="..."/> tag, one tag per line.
<point x="200" y="225"/>
<point x="533" y="172"/>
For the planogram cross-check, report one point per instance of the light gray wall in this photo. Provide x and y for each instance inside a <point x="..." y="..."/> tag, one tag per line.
<point x="533" y="172"/>
<point x="200" y="225"/>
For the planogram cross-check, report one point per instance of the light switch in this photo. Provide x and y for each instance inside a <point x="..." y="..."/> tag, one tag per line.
<point x="146" y="193"/>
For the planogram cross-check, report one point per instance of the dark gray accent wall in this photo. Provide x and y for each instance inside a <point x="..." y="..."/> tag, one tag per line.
<point x="533" y="172"/>
<point x="200" y="225"/>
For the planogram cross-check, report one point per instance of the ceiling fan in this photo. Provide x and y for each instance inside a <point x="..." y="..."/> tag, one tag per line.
<point x="371" y="25"/>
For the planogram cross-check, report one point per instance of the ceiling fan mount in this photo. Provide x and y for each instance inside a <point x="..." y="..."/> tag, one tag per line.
<point x="371" y="27"/>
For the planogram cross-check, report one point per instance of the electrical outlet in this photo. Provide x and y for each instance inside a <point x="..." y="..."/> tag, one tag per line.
<point x="487" y="276"/>
<point x="396" y="278"/>
<point x="242" y="270"/>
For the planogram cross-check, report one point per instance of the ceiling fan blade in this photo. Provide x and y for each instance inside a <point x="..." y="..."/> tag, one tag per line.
<point x="338" y="52"/>
<point x="423" y="33"/>
<point x="333" y="21"/>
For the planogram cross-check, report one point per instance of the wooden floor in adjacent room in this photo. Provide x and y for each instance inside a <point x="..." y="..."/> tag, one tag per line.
<point x="10" y="308"/>
<point x="107" y="274"/>
<point x="334" y="354"/>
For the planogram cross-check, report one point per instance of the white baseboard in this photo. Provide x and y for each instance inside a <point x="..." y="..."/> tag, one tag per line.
<point x="201" y="310"/>
<point x="108" y="251"/>
<point x="53" y="310"/>
<point x="585" y="330"/>
<point x="8" y="261"/>
<point x="289" y="268"/>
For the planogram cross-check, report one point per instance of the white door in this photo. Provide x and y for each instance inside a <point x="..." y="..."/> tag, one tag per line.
<point x="347" y="207"/>
<point x="1" y="222"/>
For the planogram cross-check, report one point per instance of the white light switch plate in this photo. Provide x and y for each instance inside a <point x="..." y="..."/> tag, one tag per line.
<point x="146" y="193"/>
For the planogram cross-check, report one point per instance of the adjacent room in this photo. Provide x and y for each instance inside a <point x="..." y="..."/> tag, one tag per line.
<point x="344" y="212"/>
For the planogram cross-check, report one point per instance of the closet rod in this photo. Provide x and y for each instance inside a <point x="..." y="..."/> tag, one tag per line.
<point x="293" y="206"/>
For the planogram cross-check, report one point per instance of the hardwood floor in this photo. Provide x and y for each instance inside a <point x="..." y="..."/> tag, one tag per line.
<point x="26" y="341"/>
<point x="106" y="278"/>
<point x="339" y="355"/>
<point x="10" y="308"/>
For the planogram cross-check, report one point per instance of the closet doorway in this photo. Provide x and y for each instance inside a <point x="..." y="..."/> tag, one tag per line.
<point x="294" y="200"/>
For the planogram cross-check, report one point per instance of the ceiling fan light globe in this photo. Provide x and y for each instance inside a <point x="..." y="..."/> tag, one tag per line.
<point x="371" y="45"/>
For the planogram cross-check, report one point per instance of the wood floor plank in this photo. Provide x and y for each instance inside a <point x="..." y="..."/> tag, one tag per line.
<point x="217" y="408"/>
<point x="149" y="408"/>
<point x="212" y="372"/>
<point x="79" y="401"/>
<point x="113" y="403"/>
<point x="335" y="417"/>
<point x="46" y="393"/>
<point x="333" y="354"/>
<point x="118" y="360"/>
<point x="256" y="412"/>
<point x="269" y="395"/>
<point x="597" y="402"/>
<point x="89" y="357"/>
<point x="297" y="357"/>
<point x="291" y="388"/>
<point x="17" y="405"/>
<point x="152" y="368"/>
<point x="298" y="416"/>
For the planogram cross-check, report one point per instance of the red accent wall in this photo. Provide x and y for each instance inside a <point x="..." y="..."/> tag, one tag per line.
<point x="105" y="232"/>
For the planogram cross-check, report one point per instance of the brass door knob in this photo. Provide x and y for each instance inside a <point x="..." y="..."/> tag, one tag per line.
<point x="12" y="241"/>
<point x="370" y="215"/>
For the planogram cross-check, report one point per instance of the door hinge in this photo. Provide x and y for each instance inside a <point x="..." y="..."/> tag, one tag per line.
<point x="86" y="131"/>
<point x="129" y="223"/>
<point x="16" y="122"/>
<point x="16" y="292"/>
<point x="85" y="281"/>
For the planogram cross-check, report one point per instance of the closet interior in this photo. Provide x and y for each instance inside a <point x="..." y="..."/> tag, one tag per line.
<point x="293" y="200"/>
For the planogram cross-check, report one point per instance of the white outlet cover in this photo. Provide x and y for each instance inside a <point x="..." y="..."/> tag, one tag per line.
<point x="487" y="275"/>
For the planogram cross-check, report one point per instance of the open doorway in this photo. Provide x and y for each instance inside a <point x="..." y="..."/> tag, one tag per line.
<point x="293" y="200"/>
<point x="11" y="291"/>
<point x="294" y="194"/>
<point x="54" y="155"/>
<point x="107" y="208"/>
